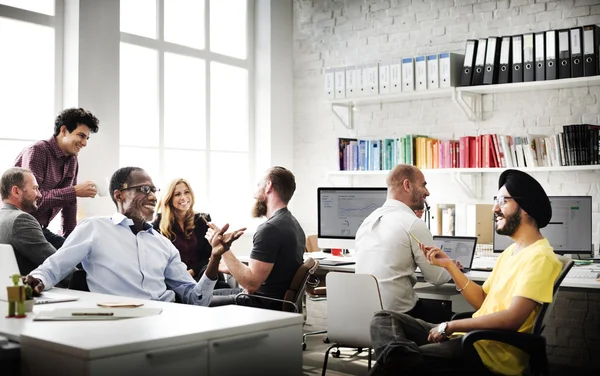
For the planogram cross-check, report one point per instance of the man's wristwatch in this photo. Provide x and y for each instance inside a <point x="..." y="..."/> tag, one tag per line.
<point x="442" y="330"/>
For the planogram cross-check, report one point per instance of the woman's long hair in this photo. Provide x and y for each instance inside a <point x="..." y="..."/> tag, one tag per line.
<point x="165" y="207"/>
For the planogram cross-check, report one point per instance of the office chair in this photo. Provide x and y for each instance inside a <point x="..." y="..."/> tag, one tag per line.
<point x="79" y="281"/>
<point x="352" y="300"/>
<point x="534" y="344"/>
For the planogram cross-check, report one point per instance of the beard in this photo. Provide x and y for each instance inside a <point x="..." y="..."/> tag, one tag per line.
<point x="512" y="223"/>
<point x="418" y="202"/>
<point x="29" y="206"/>
<point x="260" y="208"/>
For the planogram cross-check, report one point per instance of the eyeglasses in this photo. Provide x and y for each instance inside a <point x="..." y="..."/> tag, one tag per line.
<point x="145" y="189"/>
<point x="501" y="200"/>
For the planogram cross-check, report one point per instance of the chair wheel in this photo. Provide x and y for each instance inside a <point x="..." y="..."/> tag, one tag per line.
<point x="326" y="340"/>
<point x="303" y="346"/>
<point x="336" y="353"/>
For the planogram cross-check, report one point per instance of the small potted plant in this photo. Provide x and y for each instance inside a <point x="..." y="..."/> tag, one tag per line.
<point x="29" y="302"/>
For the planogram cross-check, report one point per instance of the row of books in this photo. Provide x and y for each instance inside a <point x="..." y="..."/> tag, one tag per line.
<point x="578" y="144"/>
<point x="546" y="55"/>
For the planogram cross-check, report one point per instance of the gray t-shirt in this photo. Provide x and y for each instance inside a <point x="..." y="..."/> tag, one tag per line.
<point x="280" y="241"/>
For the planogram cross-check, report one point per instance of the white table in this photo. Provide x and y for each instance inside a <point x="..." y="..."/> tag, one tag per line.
<point x="183" y="339"/>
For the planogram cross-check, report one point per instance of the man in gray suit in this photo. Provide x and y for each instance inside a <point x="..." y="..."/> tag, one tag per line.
<point x="20" y="192"/>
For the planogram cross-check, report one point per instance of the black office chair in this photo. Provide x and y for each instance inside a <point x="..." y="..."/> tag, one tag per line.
<point x="79" y="281"/>
<point x="534" y="344"/>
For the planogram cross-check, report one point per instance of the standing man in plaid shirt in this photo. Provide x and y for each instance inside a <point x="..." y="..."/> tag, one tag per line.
<point x="54" y="165"/>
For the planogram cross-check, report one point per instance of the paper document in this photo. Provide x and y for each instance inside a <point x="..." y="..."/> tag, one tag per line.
<point x="94" y="314"/>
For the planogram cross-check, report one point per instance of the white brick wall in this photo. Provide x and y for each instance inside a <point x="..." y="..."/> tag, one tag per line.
<point x="346" y="32"/>
<point x="340" y="33"/>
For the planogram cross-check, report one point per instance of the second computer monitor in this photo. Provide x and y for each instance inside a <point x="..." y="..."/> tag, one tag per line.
<point x="569" y="230"/>
<point x="341" y="212"/>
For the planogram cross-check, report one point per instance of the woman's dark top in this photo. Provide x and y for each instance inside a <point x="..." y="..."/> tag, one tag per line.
<point x="195" y="251"/>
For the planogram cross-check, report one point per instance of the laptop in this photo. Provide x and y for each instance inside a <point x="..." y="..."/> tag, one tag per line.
<point x="460" y="248"/>
<point x="9" y="266"/>
<point x="337" y="261"/>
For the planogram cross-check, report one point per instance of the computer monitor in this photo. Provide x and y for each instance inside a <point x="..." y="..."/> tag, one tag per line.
<point x="341" y="212"/>
<point x="569" y="230"/>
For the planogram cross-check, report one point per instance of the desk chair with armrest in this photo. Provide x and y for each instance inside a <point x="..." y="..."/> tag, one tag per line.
<point x="352" y="300"/>
<point x="534" y="344"/>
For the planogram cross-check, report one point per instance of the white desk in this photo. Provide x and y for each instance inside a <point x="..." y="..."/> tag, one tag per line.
<point x="183" y="339"/>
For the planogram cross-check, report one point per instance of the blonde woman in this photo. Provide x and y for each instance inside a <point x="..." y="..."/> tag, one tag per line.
<point x="177" y="221"/>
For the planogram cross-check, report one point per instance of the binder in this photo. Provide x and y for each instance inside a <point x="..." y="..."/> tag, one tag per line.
<point x="384" y="78"/>
<point x="590" y="50"/>
<point x="420" y="73"/>
<point x="540" y="56"/>
<point x="395" y="76"/>
<point x="363" y="89"/>
<point x="469" y="63"/>
<point x="340" y="83"/>
<point x="576" y="52"/>
<point x="505" y="73"/>
<point x="408" y="74"/>
<point x="329" y="83"/>
<point x="492" y="61"/>
<point x="450" y="69"/>
<point x="372" y="79"/>
<point x="516" y="62"/>
<point x="551" y="53"/>
<point x="433" y="72"/>
<point x="528" y="58"/>
<point x="479" y="62"/>
<point x="351" y="82"/>
<point x="564" y="54"/>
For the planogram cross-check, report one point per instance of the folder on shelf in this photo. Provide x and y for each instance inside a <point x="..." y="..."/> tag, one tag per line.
<point x="351" y="82"/>
<point x="528" y="58"/>
<point x="408" y="74"/>
<point x="551" y="53"/>
<point x="564" y="54"/>
<point x="492" y="60"/>
<point x="590" y="50"/>
<point x="373" y="79"/>
<point x="420" y="73"/>
<point x="467" y="71"/>
<point x="433" y="72"/>
<point x="479" y="63"/>
<point x="340" y="83"/>
<point x="329" y="83"/>
<point x="396" y="76"/>
<point x="516" y="61"/>
<point x="363" y="76"/>
<point x="450" y="69"/>
<point x="576" y="52"/>
<point x="504" y="75"/>
<point x="384" y="77"/>
<point x="540" y="56"/>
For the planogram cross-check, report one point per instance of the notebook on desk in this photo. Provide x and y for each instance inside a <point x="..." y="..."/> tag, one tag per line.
<point x="337" y="261"/>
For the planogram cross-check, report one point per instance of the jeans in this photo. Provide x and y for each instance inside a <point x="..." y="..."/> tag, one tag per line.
<point x="56" y="240"/>
<point x="400" y="343"/>
<point x="223" y="297"/>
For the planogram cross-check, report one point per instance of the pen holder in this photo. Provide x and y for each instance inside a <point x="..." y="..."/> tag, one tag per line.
<point x="29" y="305"/>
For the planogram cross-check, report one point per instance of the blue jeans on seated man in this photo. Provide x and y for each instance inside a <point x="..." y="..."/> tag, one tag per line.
<point x="52" y="238"/>
<point x="401" y="348"/>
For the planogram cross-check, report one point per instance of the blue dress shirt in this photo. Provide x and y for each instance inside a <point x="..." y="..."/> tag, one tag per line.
<point x="144" y="265"/>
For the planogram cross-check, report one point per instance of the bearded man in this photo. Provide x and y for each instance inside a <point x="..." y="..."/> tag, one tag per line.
<point x="277" y="249"/>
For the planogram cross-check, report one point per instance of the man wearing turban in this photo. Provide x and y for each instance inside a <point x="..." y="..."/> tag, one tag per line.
<point x="510" y="298"/>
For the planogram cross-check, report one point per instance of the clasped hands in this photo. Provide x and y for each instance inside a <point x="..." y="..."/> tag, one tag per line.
<point x="220" y="239"/>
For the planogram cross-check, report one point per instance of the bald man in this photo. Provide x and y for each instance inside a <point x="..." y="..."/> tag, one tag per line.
<point x="386" y="249"/>
<point x="510" y="299"/>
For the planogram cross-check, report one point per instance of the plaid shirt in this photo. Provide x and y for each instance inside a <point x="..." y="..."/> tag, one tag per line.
<point x="56" y="175"/>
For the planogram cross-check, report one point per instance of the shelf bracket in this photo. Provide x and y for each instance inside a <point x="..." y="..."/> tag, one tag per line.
<point x="474" y="189"/>
<point x="344" y="113"/>
<point x="469" y="103"/>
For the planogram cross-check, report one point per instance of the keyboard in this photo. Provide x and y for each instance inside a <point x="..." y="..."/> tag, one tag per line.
<point x="583" y="274"/>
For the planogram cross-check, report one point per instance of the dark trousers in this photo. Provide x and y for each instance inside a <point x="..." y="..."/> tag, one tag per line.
<point x="56" y="240"/>
<point x="223" y="297"/>
<point x="401" y="347"/>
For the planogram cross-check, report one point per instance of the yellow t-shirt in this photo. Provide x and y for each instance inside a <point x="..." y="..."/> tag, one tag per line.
<point x="529" y="274"/>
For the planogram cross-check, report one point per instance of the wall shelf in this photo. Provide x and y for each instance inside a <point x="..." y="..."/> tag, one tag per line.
<point x="467" y="98"/>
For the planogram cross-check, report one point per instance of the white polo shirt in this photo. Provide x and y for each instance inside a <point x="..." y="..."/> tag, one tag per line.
<point x="385" y="249"/>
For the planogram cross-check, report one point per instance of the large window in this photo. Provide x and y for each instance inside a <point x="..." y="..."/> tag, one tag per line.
<point x="185" y="98"/>
<point x="28" y="95"/>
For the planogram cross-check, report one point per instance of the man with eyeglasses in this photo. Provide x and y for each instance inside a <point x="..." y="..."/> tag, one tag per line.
<point x="123" y="255"/>
<point x="510" y="299"/>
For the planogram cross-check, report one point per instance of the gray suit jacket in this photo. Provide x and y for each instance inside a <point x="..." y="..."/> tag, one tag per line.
<point x="24" y="233"/>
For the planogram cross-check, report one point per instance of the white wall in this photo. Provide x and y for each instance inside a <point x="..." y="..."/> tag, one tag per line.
<point x="341" y="33"/>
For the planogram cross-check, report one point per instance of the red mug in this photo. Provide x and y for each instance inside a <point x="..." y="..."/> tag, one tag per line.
<point x="336" y="251"/>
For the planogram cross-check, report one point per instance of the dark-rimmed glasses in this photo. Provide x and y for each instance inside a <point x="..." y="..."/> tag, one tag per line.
<point x="501" y="200"/>
<point x="145" y="189"/>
